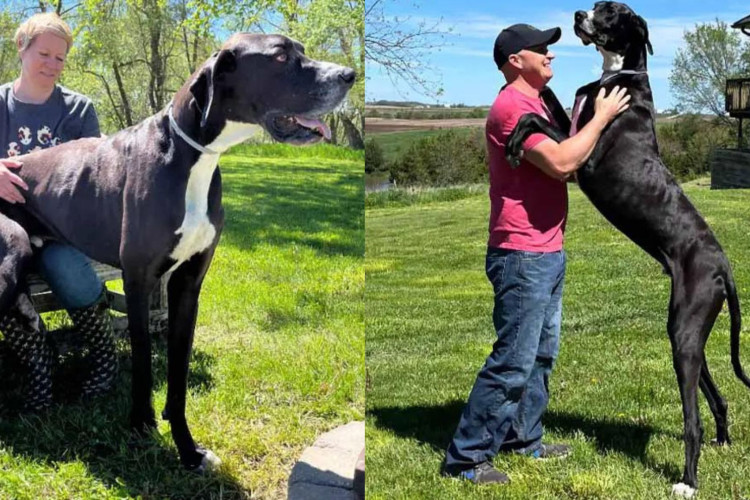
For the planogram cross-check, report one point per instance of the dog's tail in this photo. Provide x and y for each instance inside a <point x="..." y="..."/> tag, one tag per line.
<point x="735" y="319"/>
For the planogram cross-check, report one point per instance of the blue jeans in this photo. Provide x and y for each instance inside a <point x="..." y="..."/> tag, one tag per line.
<point x="511" y="392"/>
<point x="69" y="275"/>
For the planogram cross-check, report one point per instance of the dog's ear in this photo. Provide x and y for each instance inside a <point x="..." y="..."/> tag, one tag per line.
<point x="203" y="85"/>
<point x="643" y="29"/>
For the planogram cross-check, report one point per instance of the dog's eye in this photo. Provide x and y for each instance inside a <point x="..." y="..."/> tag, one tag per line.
<point x="281" y="57"/>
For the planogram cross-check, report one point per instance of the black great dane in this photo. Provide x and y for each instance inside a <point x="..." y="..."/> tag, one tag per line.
<point x="150" y="197"/>
<point x="626" y="180"/>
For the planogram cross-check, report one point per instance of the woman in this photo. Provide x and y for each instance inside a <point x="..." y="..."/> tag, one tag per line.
<point x="37" y="113"/>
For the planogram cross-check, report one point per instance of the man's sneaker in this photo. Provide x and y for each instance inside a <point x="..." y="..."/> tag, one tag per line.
<point x="551" y="451"/>
<point x="484" y="473"/>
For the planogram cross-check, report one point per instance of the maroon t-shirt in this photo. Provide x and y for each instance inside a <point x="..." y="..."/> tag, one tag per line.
<point x="528" y="208"/>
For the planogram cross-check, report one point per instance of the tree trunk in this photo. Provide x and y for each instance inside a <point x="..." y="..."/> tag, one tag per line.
<point x="352" y="134"/>
<point x="333" y="125"/>
<point x="123" y="96"/>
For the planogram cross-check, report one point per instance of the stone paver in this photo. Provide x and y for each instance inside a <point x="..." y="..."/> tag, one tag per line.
<point x="325" y="471"/>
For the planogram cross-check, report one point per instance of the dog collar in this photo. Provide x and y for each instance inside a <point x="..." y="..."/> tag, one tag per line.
<point x="608" y="76"/>
<point x="177" y="130"/>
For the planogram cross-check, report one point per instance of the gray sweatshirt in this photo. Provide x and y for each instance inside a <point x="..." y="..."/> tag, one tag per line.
<point x="25" y="127"/>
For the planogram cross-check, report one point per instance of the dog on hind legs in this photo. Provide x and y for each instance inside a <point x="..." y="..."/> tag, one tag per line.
<point x="627" y="182"/>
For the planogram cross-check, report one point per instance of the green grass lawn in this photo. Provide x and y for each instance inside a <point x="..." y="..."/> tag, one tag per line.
<point x="278" y="355"/>
<point x="614" y="395"/>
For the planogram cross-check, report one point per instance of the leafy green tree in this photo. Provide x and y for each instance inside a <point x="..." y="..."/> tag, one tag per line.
<point x="713" y="52"/>
<point x="374" y="158"/>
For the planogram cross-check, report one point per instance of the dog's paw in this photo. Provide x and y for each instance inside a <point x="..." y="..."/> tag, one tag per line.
<point x="514" y="158"/>
<point x="683" y="490"/>
<point x="209" y="463"/>
<point x="722" y="443"/>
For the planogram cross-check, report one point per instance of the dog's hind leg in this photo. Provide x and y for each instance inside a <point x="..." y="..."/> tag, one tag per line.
<point x="15" y="257"/>
<point x="694" y="305"/>
<point x="716" y="403"/>
<point x="21" y="325"/>
<point x="183" y="291"/>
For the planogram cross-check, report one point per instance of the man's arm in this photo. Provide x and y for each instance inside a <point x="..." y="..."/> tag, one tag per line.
<point x="561" y="160"/>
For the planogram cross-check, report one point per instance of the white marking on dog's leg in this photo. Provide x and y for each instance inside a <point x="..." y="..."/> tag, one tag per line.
<point x="612" y="60"/>
<point x="36" y="241"/>
<point x="209" y="463"/>
<point x="683" y="490"/>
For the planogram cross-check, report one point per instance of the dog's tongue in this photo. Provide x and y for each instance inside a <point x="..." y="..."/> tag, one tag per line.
<point x="314" y="124"/>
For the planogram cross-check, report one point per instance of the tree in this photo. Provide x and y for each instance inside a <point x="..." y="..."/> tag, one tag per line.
<point x="400" y="48"/>
<point x="713" y="53"/>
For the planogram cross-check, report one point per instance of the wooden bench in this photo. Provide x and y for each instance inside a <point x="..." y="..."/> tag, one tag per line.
<point x="45" y="301"/>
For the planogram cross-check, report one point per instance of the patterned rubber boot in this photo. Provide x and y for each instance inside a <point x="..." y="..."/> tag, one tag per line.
<point x="95" y="327"/>
<point x="31" y="347"/>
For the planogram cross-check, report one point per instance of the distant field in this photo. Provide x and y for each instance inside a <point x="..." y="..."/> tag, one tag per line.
<point x="384" y="125"/>
<point x="394" y="143"/>
<point x="422" y="113"/>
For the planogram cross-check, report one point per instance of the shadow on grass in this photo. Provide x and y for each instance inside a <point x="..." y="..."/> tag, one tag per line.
<point x="303" y="206"/>
<point x="435" y="425"/>
<point x="97" y="434"/>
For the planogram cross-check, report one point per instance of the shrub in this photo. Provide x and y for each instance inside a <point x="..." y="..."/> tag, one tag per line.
<point x="449" y="157"/>
<point x="685" y="144"/>
<point x="374" y="160"/>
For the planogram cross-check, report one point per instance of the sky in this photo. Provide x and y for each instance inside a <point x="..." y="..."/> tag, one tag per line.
<point x="468" y="75"/>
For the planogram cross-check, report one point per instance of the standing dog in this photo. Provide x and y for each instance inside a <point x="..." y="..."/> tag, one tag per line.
<point x="626" y="180"/>
<point x="148" y="199"/>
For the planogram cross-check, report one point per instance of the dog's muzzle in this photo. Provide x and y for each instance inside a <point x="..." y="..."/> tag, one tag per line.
<point x="583" y="27"/>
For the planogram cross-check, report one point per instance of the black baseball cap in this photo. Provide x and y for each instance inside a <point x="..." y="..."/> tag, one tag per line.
<point x="515" y="38"/>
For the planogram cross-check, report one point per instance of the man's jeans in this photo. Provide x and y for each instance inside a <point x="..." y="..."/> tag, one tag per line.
<point x="69" y="275"/>
<point x="505" y="408"/>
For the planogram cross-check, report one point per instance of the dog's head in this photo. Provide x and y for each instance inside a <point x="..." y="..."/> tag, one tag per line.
<point x="268" y="80"/>
<point x="615" y="29"/>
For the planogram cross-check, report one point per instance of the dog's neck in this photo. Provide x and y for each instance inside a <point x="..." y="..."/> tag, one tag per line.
<point x="213" y="139"/>
<point x="612" y="61"/>
<point x="634" y="59"/>
<point x="617" y="64"/>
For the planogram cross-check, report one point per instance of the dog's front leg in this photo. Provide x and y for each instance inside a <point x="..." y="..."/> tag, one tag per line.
<point x="528" y="124"/>
<point x="137" y="291"/>
<point x="183" y="291"/>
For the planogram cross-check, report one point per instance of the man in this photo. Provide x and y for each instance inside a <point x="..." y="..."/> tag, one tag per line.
<point x="525" y="262"/>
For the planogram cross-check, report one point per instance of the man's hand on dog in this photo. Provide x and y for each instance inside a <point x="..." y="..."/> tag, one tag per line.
<point x="606" y="108"/>
<point x="10" y="182"/>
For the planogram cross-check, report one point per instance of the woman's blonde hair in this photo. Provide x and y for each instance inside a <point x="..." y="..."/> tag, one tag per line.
<point x="42" y="23"/>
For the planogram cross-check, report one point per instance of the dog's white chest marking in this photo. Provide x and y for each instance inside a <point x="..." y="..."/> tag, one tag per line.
<point x="612" y="60"/>
<point x="196" y="232"/>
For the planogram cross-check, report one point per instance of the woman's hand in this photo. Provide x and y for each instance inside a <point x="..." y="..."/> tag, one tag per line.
<point x="10" y="183"/>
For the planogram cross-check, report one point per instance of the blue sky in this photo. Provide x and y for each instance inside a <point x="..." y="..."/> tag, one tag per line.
<point x="464" y="64"/>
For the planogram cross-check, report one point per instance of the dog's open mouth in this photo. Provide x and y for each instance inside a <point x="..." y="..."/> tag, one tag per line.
<point x="297" y="129"/>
